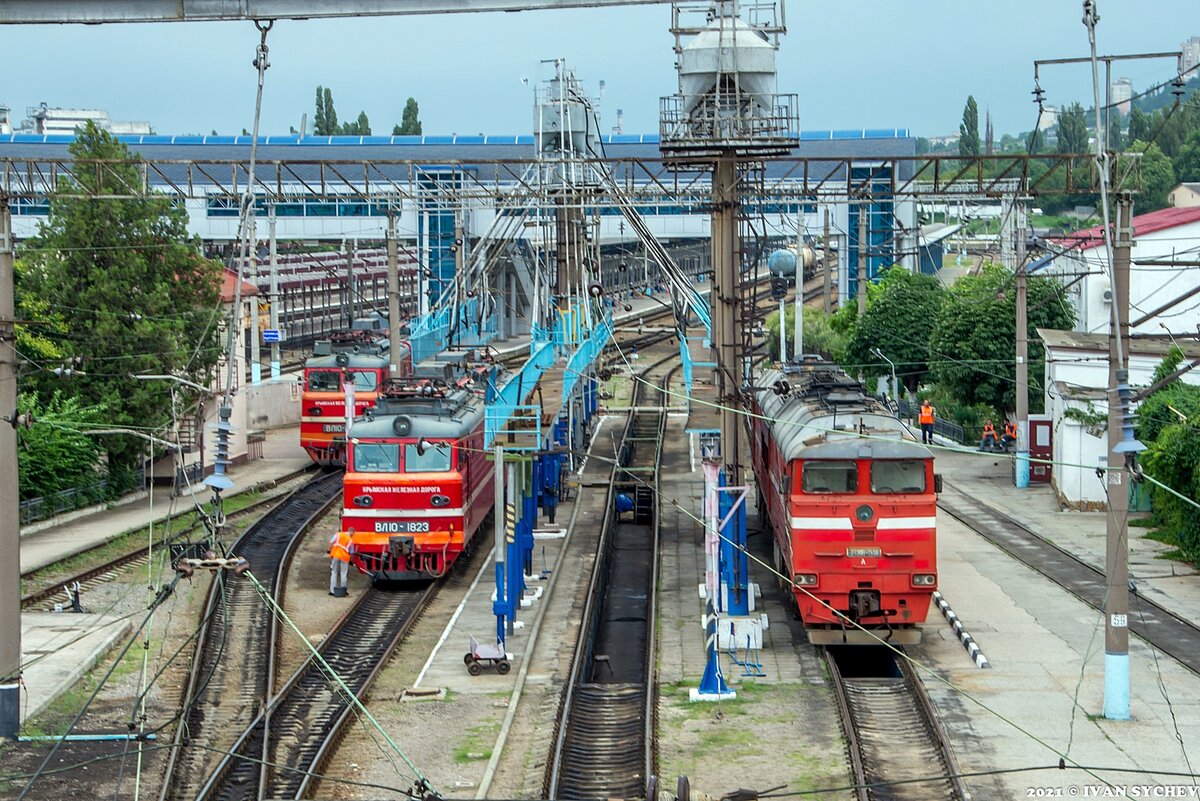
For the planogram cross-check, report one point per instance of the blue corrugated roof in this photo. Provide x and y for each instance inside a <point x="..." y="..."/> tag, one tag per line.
<point x="453" y="139"/>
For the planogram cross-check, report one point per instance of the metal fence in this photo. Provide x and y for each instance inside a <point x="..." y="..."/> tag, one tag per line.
<point x="907" y="410"/>
<point x="68" y="500"/>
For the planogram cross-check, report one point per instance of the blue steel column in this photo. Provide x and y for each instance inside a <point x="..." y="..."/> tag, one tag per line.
<point x="735" y="565"/>
<point x="499" y="608"/>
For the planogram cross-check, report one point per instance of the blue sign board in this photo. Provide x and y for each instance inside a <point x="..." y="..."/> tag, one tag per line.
<point x="271" y="335"/>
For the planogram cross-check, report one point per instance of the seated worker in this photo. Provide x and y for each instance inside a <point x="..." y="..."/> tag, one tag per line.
<point x="1010" y="433"/>
<point x="989" y="440"/>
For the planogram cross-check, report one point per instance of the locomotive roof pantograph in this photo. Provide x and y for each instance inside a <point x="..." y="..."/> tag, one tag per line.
<point x="816" y="411"/>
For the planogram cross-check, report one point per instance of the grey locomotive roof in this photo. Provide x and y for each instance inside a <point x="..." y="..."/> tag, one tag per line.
<point x="452" y="417"/>
<point x="823" y="416"/>
<point x="363" y="360"/>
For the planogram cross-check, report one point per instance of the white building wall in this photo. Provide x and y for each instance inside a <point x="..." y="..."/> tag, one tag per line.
<point x="1149" y="286"/>
<point x="1078" y="450"/>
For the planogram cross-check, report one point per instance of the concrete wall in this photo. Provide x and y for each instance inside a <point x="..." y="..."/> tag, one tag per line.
<point x="272" y="404"/>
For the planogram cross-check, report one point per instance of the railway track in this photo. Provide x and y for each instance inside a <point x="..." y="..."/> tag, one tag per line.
<point x="55" y="591"/>
<point x="283" y="749"/>
<point x="898" y="750"/>
<point x="1155" y="624"/>
<point x="604" y="746"/>
<point x="229" y="679"/>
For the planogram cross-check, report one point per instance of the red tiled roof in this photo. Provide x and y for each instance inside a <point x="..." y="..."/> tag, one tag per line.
<point x="1142" y="224"/>
<point x="228" y="287"/>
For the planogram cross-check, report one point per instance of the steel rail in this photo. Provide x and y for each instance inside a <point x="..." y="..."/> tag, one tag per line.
<point x="592" y="727"/>
<point x="897" y="748"/>
<point x="89" y="576"/>
<point x="268" y="545"/>
<point x="1160" y="627"/>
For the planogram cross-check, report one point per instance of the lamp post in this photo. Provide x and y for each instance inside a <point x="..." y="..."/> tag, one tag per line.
<point x="895" y="392"/>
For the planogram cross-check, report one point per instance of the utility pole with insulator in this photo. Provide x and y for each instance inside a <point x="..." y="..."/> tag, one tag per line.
<point x="274" y="298"/>
<point x="1122" y="452"/>
<point x="1022" y="463"/>
<point x="393" y="284"/>
<point x="863" y="239"/>
<point x="10" y="521"/>
<point x="255" y="334"/>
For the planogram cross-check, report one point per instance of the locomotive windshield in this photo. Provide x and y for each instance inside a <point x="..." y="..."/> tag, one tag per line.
<point x="436" y="458"/>
<point x="830" y="477"/>
<point x="324" y="380"/>
<point x="376" y="457"/>
<point x="897" y="476"/>
<point x="365" y="380"/>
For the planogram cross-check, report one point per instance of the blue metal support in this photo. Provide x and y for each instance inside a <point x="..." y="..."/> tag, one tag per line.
<point x="734" y="563"/>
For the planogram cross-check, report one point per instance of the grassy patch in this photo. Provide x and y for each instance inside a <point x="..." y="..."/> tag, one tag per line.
<point x="55" y="718"/>
<point x="477" y="744"/>
<point x="130" y="541"/>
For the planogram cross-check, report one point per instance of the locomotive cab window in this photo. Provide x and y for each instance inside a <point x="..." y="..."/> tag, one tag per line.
<point x="365" y="380"/>
<point x="824" y="477"/>
<point x="897" y="476"/>
<point x="325" y="381"/>
<point x="436" y="458"/>
<point x="376" y="457"/>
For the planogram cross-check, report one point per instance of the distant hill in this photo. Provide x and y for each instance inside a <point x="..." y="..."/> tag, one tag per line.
<point x="1163" y="97"/>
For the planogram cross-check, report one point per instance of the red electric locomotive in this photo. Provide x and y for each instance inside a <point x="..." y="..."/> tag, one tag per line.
<point x="850" y="497"/>
<point x="418" y="484"/>
<point x="360" y="355"/>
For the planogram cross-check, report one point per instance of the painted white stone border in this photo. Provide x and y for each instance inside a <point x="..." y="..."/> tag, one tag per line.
<point x="967" y="640"/>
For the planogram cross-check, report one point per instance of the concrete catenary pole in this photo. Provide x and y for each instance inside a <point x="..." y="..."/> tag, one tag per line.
<point x="1116" y="604"/>
<point x="10" y="525"/>
<point x="348" y="246"/>
<point x="863" y="240"/>
<point x="1022" y="474"/>
<point x="393" y="288"/>
<point x="830" y="267"/>
<point x="274" y="299"/>
<point x="255" y="334"/>
<point x="798" y="321"/>
<point x="724" y="310"/>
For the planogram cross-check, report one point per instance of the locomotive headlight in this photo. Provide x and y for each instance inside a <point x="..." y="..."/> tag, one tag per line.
<point x="924" y="579"/>
<point x="314" y="410"/>
<point x="805" y="579"/>
<point x="440" y="500"/>
<point x="864" y="513"/>
<point x="363" y="500"/>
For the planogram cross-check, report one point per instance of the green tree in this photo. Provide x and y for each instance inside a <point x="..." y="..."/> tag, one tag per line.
<point x="968" y="131"/>
<point x="897" y="323"/>
<point x="1072" y="130"/>
<point x="320" y="127"/>
<point x="819" y="335"/>
<point x="54" y="454"/>
<point x="1158" y="176"/>
<point x="410" y="123"/>
<point x="1172" y="454"/>
<point x="135" y="294"/>
<point x="971" y="346"/>
<point x="363" y="125"/>
<point x="1139" y="128"/>
<point x="331" y="122"/>
<point x="1187" y="163"/>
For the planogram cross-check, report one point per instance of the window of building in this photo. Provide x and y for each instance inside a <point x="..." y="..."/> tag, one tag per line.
<point x="897" y="476"/>
<point x="834" y="477"/>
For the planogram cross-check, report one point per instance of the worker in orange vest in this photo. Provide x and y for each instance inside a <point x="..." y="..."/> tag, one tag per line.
<point x="927" y="412"/>
<point x="1010" y="433"/>
<point x="989" y="442"/>
<point x="341" y="545"/>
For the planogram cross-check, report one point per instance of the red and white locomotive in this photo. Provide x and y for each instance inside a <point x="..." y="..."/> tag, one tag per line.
<point x="418" y="484"/>
<point x="849" y="495"/>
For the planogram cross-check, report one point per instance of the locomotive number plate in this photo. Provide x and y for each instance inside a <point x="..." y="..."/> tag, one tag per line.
<point x="334" y="428"/>
<point x="864" y="552"/>
<point x="401" y="526"/>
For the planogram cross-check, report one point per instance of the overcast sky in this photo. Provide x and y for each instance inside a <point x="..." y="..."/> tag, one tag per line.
<point x="853" y="63"/>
